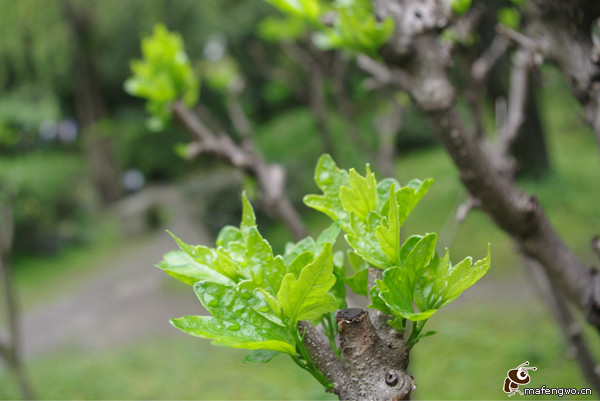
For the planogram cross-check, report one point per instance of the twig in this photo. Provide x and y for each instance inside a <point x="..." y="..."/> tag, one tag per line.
<point x="483" y="65"/>
<point x="396" y="78"/>
<point x="570" y="329"/>
<point x="516" y="101"/>
<point x="271" y="178"/>
<point x="517" y="37"/>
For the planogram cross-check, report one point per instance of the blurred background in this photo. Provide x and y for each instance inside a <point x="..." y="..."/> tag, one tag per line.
<point x="91" y="188"/>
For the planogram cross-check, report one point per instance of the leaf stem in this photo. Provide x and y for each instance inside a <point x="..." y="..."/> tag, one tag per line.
<point x="329" y="323"/>
<point x="308" y="364"/>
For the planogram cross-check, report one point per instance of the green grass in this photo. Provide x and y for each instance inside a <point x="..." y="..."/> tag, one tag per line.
<point x="478" y="343"/>
<point x="169" y="368"/>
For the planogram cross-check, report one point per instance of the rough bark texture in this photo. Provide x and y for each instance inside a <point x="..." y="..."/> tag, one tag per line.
<point x="372" y="366"/>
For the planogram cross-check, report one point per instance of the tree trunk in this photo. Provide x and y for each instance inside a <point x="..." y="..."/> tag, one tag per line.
<point x="10" y="350"/>
<point x="90" y="108"/>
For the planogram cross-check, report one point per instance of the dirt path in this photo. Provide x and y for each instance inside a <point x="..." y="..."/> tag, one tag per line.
<point x="125" y="302"/>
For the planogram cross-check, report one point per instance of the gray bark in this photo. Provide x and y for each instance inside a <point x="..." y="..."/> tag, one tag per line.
<point x="373" y="365"/>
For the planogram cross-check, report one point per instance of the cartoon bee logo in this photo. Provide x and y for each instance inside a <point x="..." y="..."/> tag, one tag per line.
<point x="516" y="377"/>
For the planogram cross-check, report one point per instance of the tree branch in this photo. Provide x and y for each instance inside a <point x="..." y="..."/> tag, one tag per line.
<point x="518" y="214"/>
<point x="570" y="329"/>
<point x="270" y="178"/>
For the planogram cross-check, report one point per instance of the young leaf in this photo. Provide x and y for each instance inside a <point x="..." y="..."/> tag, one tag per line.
<point x="241" y="319"/>
<point x="441" y="283"/>
<point x="388" y="233"/>
<point x="244" y="336"/>
<point x="409" y="196"/>
<point x="307" y="297"/>
<point x="181" y="266"/>
<point x="163" y="75"/>
<point x="360" y="197"/>
<point x="210" y="258"/>
<point x="397" y="287"/>
<point x="329" y="179"/>
<point x="359" y="282"/>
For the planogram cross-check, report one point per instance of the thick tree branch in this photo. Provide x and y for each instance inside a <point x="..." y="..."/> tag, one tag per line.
<point x="518" y="214"/>
<point x="376" y="369"/>
<point x="322" y="356"/>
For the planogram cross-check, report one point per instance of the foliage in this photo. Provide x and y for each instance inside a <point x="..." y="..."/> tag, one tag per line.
<point x="257" y="298"/>
<point x="163" y="75"/>
<point x="356" y="28"/>
<point x="48" y="191"/>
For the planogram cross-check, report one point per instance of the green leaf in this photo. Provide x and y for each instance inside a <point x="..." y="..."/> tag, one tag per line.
<point x="360" y="197"/>
<point x="397" y="287"/>
<point x="359" y="281"/>
<point x="329" y="179"/>
<point x="241" y="319"/>
<point x="245" y="336"/>
<point x="264" y="269"/>
<point x="460" y="7"/>
<point x="441" y="283"/>
<point x="228" y="235"/>
<point x="181" y="266"/>
<point x="362" y="237"/>
<point x="248" y="217"/>
<point x="260" y="356"/>
<point x="163" y="75"/>
<point x="409" y="196"/>
<point x="376" y="301"/>
<point x="217" y="261"/>
<point x="307" y="297"/>
<point x="388" y="233"/>
<point x="509" y="17"/>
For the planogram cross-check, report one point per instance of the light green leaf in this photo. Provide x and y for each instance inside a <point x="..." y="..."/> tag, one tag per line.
<point x="329" y="179"/>
<point x="409" y="196"/>
<point x="232" y="335"/>
<point x="388" y="233"/>
<point x="307" y="297"/>
<point x="228" y="235"/>
<point x="210" y="258"/>
<point x="264" y="269"/>
<point x="362" y="237"/>
<point x="359" y="281"/>
<point x="181" y="266"/>
<point x="397" y="287"/>
<point x="163" y="75"/>
<point x="248" y="217"/>
<point x="360" y="197"/>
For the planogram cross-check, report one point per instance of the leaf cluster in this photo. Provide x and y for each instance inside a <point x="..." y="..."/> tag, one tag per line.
<point x="416" y="281"/>
<point x="255" y="298"/>
<point x="163" y="75"/>
<point x="355" y="27"/>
